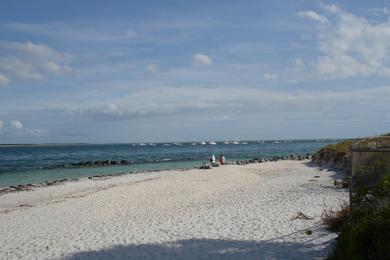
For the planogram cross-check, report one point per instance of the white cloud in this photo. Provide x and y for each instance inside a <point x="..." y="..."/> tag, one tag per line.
<point x="15" y="124"/>
<point x="270" y="76"/>
<point x="56" y="68"/>
<point x="202" y="59"/>
<point x="314" y="16"/>
<point x="331" y="8"/>
<point x="298" y="62"/>
<point x="77" y="31"/>
<point x="152" y="68"/>
<point x="379" y="11"/>
<point x="17" y="129"/>
<point x="168" y="102"/>
<point x="30" y="61"/>
<point x="352" y="46"/>
<point x="4" y="80"/>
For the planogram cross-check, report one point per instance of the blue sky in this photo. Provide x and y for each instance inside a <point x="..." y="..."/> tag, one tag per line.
<point x="146" y="71"/>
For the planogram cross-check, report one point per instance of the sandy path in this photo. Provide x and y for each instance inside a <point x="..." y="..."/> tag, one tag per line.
<point x="230" y="212"/>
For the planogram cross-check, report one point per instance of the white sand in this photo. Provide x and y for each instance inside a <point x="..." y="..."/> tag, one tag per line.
<point x="230" y="212"/>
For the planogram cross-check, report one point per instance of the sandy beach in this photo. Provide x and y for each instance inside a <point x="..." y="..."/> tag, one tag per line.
<point x="229" y="212"/>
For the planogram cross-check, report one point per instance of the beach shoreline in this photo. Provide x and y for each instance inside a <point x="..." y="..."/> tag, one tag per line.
<point x="234" y="211"/>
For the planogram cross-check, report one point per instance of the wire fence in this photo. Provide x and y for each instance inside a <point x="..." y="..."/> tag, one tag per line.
<point x="370" y="162"/>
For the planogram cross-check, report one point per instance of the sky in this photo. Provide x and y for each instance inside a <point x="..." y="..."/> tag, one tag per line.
<point x="148" y="71"/>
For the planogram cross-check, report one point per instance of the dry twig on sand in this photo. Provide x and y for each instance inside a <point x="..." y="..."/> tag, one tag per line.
<point x="300" y="215"/>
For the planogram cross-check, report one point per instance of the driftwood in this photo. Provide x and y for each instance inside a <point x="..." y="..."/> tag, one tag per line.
<point x="300" y="215"/>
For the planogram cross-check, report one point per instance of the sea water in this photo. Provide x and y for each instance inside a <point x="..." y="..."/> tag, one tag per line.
<point x="38" y="163"/>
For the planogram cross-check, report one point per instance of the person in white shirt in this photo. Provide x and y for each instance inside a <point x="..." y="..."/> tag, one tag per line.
<point x="212" y="158"/>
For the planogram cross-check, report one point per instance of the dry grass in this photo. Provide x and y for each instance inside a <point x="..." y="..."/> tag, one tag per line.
<point x="334" y="219"/>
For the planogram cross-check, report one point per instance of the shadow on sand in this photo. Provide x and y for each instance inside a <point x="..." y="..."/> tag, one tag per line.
<point x="336" y="173"/>
<point x="210" y="249"/>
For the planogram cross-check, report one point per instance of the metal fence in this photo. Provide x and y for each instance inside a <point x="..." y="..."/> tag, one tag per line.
<point x="370" y="160"/>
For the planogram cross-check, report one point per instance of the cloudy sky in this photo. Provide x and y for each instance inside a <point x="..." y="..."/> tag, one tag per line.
<point x="139" y="71"/>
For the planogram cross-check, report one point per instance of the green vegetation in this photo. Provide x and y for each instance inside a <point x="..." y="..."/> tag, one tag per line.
<point x="364" y="229"/>
<point x="365" y="233"/>
<point x="334" y="155"/>
<point x="342" y="147"/>
<point x="368" y="174"/>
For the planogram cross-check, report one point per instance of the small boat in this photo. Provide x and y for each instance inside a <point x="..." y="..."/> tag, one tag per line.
<point x="226" y="142"/>
<point x="235" y="142"/>
<point x="193" y="143"/>
<point x="177" y="144"/>
<point x="276" y="142"/>
<point x="202" y="143"/>
<point x="212" y="143"/>
<point x="142" y="144"/>
<point x="244" y="142"/>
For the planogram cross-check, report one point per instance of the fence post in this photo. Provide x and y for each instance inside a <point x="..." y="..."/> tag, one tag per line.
<point x="351" y="176"/>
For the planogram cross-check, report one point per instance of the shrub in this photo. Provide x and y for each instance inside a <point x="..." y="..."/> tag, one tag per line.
<point x="342" y="147"/>
<point x="369" y="172"/>
<point x="366" y="236"/>
<point x="335" y="219"/>
<point x="366" y="233"/>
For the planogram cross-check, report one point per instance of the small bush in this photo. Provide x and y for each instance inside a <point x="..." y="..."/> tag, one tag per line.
<point x="383" y="187"/>
<point x="342" y="147"/>
<point x="335" y="219"/>
<point x="366" y="236"/>
<point x="368" y="174"/>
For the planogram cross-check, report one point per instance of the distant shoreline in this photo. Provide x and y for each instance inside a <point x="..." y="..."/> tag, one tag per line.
<point x="39" y="145"/>
<point x="218" y="141"/>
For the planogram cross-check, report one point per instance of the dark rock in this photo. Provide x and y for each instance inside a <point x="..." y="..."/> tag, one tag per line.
<point x="124" y="162"/>
<point x="89" y="163"/>
<point x="205" y="167"/>
<point x="106" y="162"/>
<point x="98" y="163"/>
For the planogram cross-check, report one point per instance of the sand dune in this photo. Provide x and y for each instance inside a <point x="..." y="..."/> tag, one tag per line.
<point x="230" y="212"/>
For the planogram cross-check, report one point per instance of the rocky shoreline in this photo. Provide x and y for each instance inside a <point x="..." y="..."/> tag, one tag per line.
<point x="94" y="163"/>
<point x="29" y="186"/>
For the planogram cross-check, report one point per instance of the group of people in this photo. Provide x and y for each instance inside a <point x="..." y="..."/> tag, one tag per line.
<point x="221" y="159"/>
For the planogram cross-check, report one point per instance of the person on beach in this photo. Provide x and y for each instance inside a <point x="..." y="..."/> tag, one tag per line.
<point x="222" y="159"/>
<point x="212" y="159"/>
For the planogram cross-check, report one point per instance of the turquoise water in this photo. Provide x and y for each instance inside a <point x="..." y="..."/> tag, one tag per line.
<point x="34" y="164"/>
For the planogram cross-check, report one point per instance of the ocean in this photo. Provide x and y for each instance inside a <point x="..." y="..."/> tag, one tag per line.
<point x="35" y="164"/>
